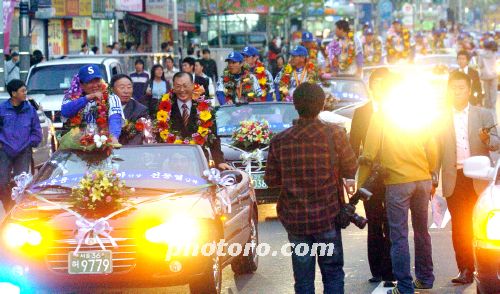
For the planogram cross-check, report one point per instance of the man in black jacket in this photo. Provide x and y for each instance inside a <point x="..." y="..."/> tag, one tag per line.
<point x="463" y="59"/>
<point x="184" y="118"/>
<point x="209" y="65"/>
<point x="188" y="64"/>
<point x="379" y="244"/>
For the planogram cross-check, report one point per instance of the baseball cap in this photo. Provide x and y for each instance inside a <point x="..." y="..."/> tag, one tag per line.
<point x="250" y="51"/>
<point x="14" y="54"/>
<point x="397" y="20"/>
<point x="235" y="57"/>
<point x="307" y="37"/>
<point x="89" y="72"/>
<point x="299" y="51"/>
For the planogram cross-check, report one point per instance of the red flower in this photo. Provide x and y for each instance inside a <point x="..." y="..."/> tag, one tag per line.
<point x="165" y="106"/>
<point x="199" y="140"/>
<point x="139" y="126"/>
<point x="162" y="125"/>
<point x="226" y="79"/>
<point x="171" y="138"/>
<point x="207" y="124"/>
<point x="286" y="79"/>
<point x="76" y="120"/>
<point x="248" y="87"/>
<point x="310" y="66"/>
<point x="101" y="121"/>
<point x="202" y="106"/>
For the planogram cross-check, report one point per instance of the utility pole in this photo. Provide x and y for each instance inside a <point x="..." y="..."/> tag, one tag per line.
<point x="24" y="39"/>
<point x="2" y="73"/>
<point x="204" y="24"/>
<point x="176" y="34"/>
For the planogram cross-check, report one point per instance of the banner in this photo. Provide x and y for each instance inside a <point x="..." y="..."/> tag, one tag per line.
<point x="129" y="5"/>
<point x="81" y="23"/>
<point x="8" y="13"/>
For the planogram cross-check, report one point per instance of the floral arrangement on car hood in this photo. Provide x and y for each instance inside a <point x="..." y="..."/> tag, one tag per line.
<point x="251" y="135"/>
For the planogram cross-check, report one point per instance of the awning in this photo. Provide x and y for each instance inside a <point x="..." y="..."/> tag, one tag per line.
<point x="183" y="26"/>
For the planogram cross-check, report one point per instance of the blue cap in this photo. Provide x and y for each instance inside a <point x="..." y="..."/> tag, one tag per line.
<point x="419" y="35"/>
<point x="397" y="20"/>
<point x="235" y="57"/>
<point x="299" y="51"/>
<point x="89" y="72"/>
<point x="250" y="51"/>
<point x="368" y="31"/>
<point x="307" y="37"/>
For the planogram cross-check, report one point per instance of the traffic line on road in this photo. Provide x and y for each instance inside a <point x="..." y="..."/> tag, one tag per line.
<point x="380" y="289"/>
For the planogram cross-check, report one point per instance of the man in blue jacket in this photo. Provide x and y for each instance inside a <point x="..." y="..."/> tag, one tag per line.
<point x="19" y="131"/>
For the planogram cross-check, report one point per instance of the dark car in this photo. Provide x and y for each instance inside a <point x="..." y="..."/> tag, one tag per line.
<point x="280" y="116"/>
<point x="38" y="239"/>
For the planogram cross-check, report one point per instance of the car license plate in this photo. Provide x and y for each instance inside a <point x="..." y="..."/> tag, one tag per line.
<point x="90" y="262"/>
<point x="258" y="181"/>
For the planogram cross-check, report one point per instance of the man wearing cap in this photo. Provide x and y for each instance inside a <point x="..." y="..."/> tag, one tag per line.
<point x="421" y="45"/>
<point x="237" y="84"/>
<point x="399" y="44"/>
<point x="80" y="104"/>
<point x="257" y="68"/>
<point x="11" y="69"/>
<point x="316" y="53"/>
<point x="372" y="48"/>
<point x="438" y="44"/>
<point x="345" y="52"/>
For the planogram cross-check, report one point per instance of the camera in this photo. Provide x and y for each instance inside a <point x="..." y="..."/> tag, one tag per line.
<point x="348" y="211"/>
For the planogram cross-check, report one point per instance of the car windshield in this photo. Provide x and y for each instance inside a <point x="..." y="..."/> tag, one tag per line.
<point x="54" y="79"/>
<point x="279" y="116"/>
<point x="165" y="167"/>
<point x="348" y="90"/>
<point x="449" y="60"/>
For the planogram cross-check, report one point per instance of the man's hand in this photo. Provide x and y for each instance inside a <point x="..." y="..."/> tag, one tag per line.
<point x="229" y="102"/>
<point x="114" y="140"/>
<point x="350" y="186"/>
<point x="224" y="166"/>
<point x="94" y="96"/>
<point x="359" y="72"/>
<point x="484" y="136"/>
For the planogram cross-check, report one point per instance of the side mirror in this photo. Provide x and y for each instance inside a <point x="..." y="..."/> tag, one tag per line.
<point x="479" y="168"/>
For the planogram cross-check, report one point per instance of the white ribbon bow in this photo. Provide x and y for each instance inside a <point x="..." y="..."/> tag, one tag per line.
<point x="88" y="229"/>
<point x="213" y="175"/>
<point x="248" y="157"/>
<point x="22" y="181"/>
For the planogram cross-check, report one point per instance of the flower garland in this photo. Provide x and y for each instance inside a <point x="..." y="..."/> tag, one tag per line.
<point x="286" y="78"/>
<point x="438" y="43"/>
<point x="392" y="52"/>
<point x="377" y="54"/>
<point x="342" y="57"/>
<point x="133" y="127"/>
<point x="204" y="124"/>
<point x="234" y="90"/>
<point x="261" y="75"/>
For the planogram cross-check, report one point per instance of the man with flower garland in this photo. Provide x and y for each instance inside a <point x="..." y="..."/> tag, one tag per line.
<point x="88" y="106"/>
<point x="184" y="117"/>
<point x="399" y="43"/>
<point x="345" y="52"/>
<point x="251" y="57"/>
<point x="422" y="46"/>
<point x="298" y="71"/>
<point x="238" y="84"/>
<point x="317" y="54"/>
<point x="372" y="48"/>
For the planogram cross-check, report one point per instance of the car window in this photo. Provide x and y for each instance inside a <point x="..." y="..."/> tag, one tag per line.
<point x="260" y="39"/>
<point x="166" y="167"/>
<point x="279" y="116"/>
<point x="114" y="69"/>
<point x="54" y="79"/>
<point x="238" y="40"/>
<point x="349" y="90"/>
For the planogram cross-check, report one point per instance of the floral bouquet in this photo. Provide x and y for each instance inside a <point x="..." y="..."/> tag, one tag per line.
<point x="251" y="135"/>
<point x="89" y="142"/>
<point x="98" y="194"/>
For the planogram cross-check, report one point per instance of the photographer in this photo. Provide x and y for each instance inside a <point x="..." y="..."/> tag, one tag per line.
<point x="300" y="165"/>
<point x="379" y="244"/>
<point x="408" y="158"/>
<point x="474" y="134"/>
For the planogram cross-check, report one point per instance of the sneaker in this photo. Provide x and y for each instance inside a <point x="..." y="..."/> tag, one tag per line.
<point x="421" y="285"/>
<point x="389" y="284"/>
<point x="394" y="291"/>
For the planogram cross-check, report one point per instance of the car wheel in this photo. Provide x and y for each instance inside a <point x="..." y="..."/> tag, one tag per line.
<point x="211" y="282"/>
<point x="248" y="263"/>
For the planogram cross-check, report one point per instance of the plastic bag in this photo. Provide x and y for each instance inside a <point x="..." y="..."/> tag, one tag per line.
<point x="440" y="213"/>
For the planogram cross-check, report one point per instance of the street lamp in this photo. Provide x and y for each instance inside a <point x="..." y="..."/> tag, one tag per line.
<point x="24" y="40"/>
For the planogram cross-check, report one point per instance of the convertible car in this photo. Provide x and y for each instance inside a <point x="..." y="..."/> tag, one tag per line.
<point x="38" y="239"/>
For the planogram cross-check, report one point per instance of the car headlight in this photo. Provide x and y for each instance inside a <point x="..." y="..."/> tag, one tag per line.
<point x="493" y="226"/>
<point x="16" y="236"/>
<point x="176" y="231"/>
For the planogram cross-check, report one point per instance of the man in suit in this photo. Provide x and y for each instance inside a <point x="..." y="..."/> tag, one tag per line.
<point x="472" y="134"/>
<point x="188" y="65"/>
<point x="132" y="109"/>
<point x="184" y="113"/>
<point x="379" y="243"/>
<point x="463" y="59"/>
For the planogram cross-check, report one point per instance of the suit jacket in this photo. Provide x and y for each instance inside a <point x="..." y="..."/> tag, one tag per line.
<point x="178" y="125"/>
<point x="478" y="118"/>
<point x="359" y="126"/>
<point x="202" y="82"/>
<point x="133" y="111"/>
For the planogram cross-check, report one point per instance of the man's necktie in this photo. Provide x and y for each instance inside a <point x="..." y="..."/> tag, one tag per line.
<point x="185" y="114"/>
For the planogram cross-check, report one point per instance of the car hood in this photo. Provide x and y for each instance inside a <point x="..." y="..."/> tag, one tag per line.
<point x="56" y="219"/>
<point x="48" y="102"/>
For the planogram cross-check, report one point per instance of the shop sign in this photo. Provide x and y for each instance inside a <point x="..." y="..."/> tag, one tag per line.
<point x="129" y="5"/>
<point x="81" y="23"/>
<point x="103" y="9"/>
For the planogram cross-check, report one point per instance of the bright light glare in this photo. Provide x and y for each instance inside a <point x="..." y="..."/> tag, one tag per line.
<point x="493" y="226"/>
<point x="17" y="236"/>
<point x="8" y="288"/>
<point x="413" y="104"/>
<point x="179" y="230"/>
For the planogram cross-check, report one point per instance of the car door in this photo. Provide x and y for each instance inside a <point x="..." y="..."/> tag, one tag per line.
<point x="236" y="225"/>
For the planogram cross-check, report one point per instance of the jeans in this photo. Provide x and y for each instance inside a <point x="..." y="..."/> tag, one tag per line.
<point x="331" y="266"/>
<point x="20" y="163"/>
<point x="400" y="198"/>
<point x="490" y="94"/>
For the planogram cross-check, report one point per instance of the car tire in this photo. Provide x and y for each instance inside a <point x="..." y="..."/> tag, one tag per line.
<point x="249" y="263"/>
<point x="211" y="281"/>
